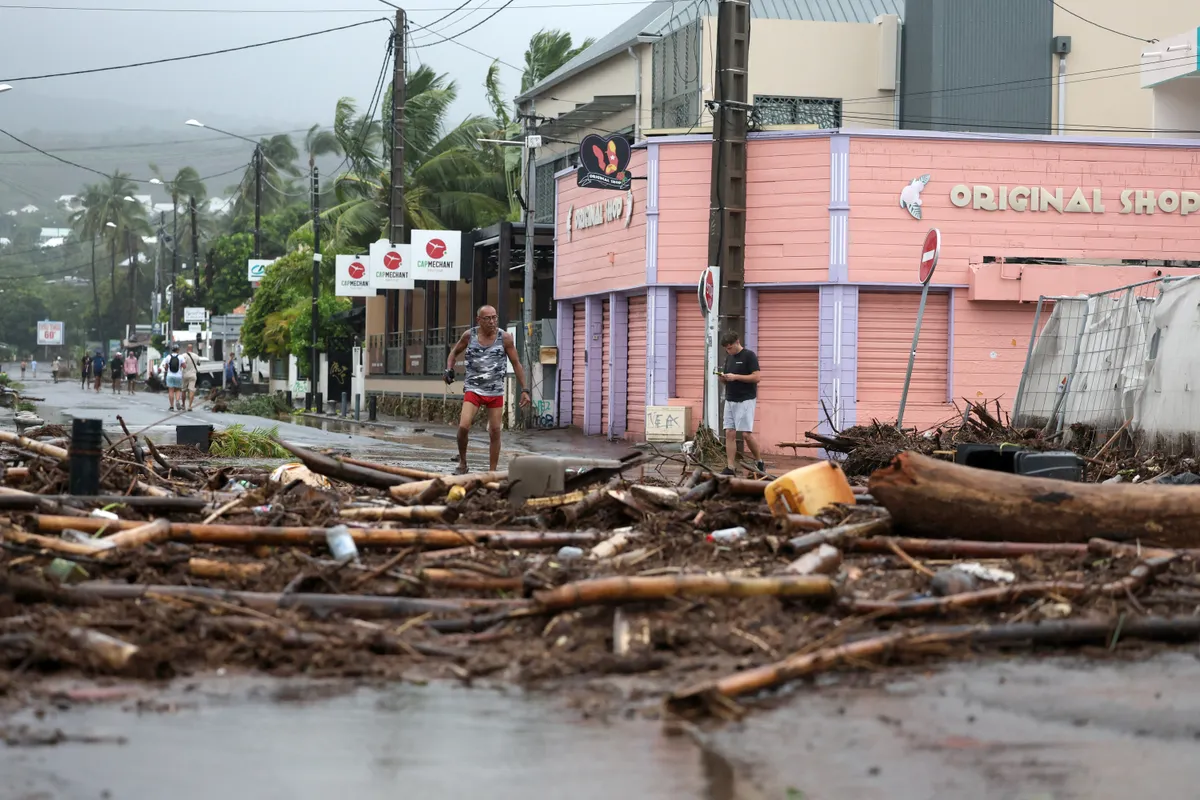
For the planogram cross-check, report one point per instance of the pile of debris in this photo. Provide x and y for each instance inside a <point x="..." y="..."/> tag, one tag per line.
<point x="334" y="566"/>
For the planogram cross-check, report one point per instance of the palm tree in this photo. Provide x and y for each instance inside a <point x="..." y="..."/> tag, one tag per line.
<point x="548" y="50"/>
<point x="506" y="160"/>
<point x="359" y="137"/>
<point x="88" y="223"/>
<point x="186" y="183"/>
<point x="448" y="183"/>
<point x="319" y="142"/>
<point x="120" y="218"/>
<point x="279" y="157"/>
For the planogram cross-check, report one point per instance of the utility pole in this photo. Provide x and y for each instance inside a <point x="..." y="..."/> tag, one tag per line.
<point x="396" y="210"/>
<point x="727" y="222"/>
<point x="195" y="251"/>
<point x="133" y="271"/>
<point x="530" y="189"/>
<point x="174" y="245"/>
<point x="258" y="201"/>
<point x="157" y="304"/>
<point x="313" y="372"/>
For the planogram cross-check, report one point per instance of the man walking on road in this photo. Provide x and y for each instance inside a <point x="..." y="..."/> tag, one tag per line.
<point x="98" y="363"/>
<point x="740" y="377"/>
<point x="487" y="348"/>
<point x="190" y="373"/>
<point x="117" y="366"/>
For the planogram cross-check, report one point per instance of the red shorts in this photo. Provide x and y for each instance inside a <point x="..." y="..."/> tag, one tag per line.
<point x="483" y="402"/>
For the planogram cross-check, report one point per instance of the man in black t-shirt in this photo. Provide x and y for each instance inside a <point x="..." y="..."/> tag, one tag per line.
<point x="740" y="377"/>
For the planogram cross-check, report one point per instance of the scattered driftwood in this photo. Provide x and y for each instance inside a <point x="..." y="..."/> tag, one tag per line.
<point x="838" y="537"/>
<point x="406" y="513"/>
<point x="172" y="469"/>
<point x="626" y="590"/>
<point x="224" y="570"/>
<point x="961" y="548"/>
<point x="406" y="472"/>
<point x="340" y="470"/>
<point x="709" y="695"/>
<point x="939" y="499"/>
<point x="407" y="490"/>
<point x="590" y="502"/>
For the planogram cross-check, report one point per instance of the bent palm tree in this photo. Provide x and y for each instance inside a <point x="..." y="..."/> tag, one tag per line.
<point x="88" y="223"/>
<point x="279" y="156"/>
<point x="548" y="50"/>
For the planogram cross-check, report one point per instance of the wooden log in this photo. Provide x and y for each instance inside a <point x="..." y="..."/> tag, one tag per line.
<point x="1056" y="632"/>
<point x="743" y="486"/>
<point x="342" y="471"/>
<point x="940" y="499"/>
<point x="837" y="537"/>
<point x="412" y="489"/>
<point x="409" y="513"/>
<point x="431" y="493"/>
<point x="799" y="523"/>
<point x="150" y="533"/>
<point x="52" y="544"/>
<point x="162" y="461"/>
<point x="208" y="568"/>
<point x="457" y="579"/>
<point x="404" y="472"/>
<point x="15" y="474"/>
<point x="32" y="445"/>
<point x="357" y="605"/>
<point x="961" y="548"/>
<point x="624" y="590"/>
<point x="590" y="502"/>
<point x="250" y="535"/>
<point x="701" y="491"/>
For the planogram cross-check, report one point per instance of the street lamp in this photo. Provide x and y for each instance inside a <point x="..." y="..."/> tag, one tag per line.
<point x="195" y="123"/>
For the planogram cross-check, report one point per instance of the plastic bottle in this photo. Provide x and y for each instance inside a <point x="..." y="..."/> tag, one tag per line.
<point x="341" y="543"/>
<point x="726" y="535"/>
<point x="569" y="553"/>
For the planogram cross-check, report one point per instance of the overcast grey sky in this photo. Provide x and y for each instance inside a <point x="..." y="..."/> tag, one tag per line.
<point x="280" y="87"/>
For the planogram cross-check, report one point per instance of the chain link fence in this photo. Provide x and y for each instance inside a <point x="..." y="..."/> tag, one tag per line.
<point x="1087" y="361"/>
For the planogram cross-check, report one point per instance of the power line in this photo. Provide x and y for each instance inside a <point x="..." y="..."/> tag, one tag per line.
<point x="173" y="59"/>
<point x="134" y="10"/>
<point x="1066" y="10"/>
<point x="376" y="98"/>
<point x="451" y="13"/>
<point x="132" y="145"/>
<point x="466" y="30"/>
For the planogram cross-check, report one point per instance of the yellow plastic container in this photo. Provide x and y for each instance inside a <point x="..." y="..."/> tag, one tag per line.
<point x="809" y="489"/>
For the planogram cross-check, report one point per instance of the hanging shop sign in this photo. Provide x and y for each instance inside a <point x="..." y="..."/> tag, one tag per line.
<point x="604" y="162"/>
<point x="437" y="255"/>
<point x="616" y="209"/>
<point x="351" y="274"/>
<point x="1078" y="200"/>
<point x="390" y="266"/>
<point x="49" y="333"/>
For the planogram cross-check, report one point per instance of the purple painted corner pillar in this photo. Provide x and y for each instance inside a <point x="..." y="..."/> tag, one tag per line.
<point x="593" y="318"/>
<point x="651" y="214"/>
<point x="837" y="379"/>
<point x="618" y="354"/>
<point x="837" y="382"/>
<point x="659" y="358"/>
<point x="566" y="358"/>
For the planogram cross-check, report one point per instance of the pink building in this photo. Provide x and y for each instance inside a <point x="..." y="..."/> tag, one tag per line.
<point x="831" y="267"/>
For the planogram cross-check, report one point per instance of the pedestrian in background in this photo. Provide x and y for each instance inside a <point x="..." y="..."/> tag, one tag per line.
<point x="190" y="373"/>
<point x="131" y="371"/>
<point x="740" y="377"/>
<point x="172" y="370"/>
<point x="116" y="368"/>
<point x="98" y="363"/>
<point x="23" y="365"/>
<point x="34" y="365"/>
<point x="85" y="370"/>
<point x="231" y="379"/>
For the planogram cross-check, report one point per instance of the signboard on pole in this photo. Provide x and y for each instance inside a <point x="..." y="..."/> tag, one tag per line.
<point x="930" y="249"/>
<point x="257" y="268"/>
<point x="352" y="276"/>
<point x="709" y="292"/>
<point x="193" y="314"/>
<point x="390" y="266"/>
<point x="50" y="333"/>
<point x="437" y="255"/>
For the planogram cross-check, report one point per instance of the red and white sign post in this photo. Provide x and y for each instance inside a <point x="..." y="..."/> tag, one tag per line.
<point x="930" y="250"/>
<point x="709" y="293"/>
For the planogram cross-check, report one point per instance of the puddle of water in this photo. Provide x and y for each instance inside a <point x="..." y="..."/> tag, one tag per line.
<point x="434" y="741"/>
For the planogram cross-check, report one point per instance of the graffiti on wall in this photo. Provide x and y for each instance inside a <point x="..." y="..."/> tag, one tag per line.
<point x="543" y="414"/>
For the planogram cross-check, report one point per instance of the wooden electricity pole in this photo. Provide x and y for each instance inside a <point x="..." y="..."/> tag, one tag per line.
<point x="730" y="112"/>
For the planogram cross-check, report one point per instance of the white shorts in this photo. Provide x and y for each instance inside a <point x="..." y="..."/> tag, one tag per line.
<point x="740" y="416"/>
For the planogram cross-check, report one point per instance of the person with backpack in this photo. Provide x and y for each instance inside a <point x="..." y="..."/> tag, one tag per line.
<point x="172" y="368"/>
<point x="117" y="368"/>
<point x="98" y="363"/>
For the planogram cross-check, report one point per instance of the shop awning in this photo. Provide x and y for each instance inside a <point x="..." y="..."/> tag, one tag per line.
<point x="590" y="115"/>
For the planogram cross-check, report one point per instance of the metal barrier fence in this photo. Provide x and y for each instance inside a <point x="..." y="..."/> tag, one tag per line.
<point x="1087" y="360"/>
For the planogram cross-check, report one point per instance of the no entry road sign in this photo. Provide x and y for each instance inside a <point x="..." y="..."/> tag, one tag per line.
<point x="929" y="254"/>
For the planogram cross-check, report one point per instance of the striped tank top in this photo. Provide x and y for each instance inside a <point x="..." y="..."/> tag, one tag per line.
<point x="486" y="366"/>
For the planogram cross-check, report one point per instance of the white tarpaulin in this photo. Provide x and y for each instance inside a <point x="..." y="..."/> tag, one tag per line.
<point x="1169" y="404"/>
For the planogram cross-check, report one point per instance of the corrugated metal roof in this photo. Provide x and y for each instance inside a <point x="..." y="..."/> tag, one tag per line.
<point x="664" y="16"/>
<point x="801" y="10"/>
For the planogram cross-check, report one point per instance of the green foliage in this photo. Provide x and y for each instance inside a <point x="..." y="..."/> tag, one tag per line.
<point x="20" y="310"/>
<point x="548" y="50"/>
<point x="230" y="287"/>
<point x="261" y="405"/>
<point x="25" y="405"/>
<point x="237" y="442"/>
